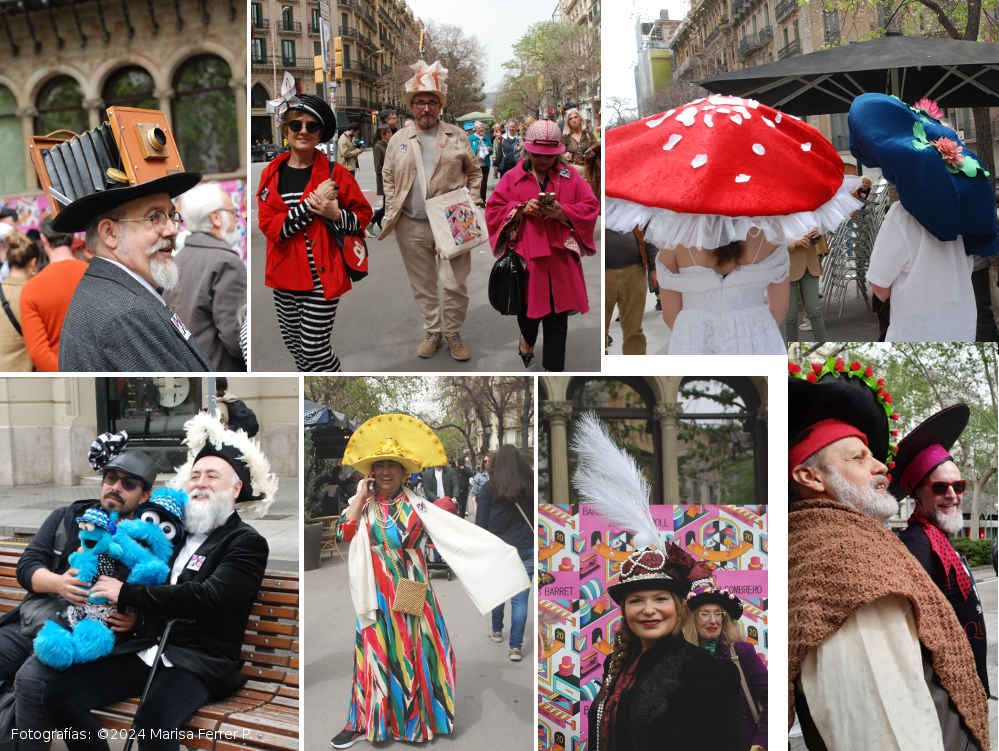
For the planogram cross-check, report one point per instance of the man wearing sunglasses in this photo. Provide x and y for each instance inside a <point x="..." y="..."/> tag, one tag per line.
<point x="43" y="570"/>
<point x="925" y="470"/>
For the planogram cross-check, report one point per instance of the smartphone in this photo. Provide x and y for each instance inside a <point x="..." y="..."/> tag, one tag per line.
<point x="546" y="199"/>
<point x="371" y="486"/>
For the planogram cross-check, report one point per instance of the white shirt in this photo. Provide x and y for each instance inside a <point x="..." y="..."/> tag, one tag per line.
<point x="191" y="546"/>
<point x="439" y="476"/>
<point x="136" y="277"/>
<point x="931" y="294"/>
<point x="865" y="684"/>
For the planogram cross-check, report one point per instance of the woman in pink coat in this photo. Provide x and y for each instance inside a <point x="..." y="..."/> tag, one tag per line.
<point x="550" y="232"/>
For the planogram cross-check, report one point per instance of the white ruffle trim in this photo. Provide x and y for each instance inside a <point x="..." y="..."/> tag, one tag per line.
<point x="668" y="229"/>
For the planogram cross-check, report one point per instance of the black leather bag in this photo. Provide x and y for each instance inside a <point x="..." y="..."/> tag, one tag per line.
<point x="508" y="284"/>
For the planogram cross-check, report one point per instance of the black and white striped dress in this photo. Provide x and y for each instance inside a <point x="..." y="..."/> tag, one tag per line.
<point x="306" y="317"/>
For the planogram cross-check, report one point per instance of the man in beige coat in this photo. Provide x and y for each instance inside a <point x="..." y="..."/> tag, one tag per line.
<point x="449" y="164"/>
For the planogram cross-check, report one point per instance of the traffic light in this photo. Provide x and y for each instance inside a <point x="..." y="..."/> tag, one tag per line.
<point x="338" y="59"/>
<point x="374" y="117"/>
<point x="317" y="63"/>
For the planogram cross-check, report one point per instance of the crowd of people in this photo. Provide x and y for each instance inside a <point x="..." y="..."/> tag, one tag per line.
<point x="154" y="287"/>
<point x="311" y="264"/>
<point x="735" y="262"/>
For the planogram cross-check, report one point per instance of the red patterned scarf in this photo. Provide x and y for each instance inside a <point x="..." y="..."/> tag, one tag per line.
<point x="945" y="552"/>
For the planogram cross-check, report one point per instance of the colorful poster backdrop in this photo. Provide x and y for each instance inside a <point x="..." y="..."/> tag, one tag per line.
<point x="580" y="555"/>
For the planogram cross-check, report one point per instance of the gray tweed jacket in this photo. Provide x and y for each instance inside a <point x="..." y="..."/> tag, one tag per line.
<point x="115" y="324"/>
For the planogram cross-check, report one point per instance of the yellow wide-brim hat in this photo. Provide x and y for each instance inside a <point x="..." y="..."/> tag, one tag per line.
<point x="397" y="438"/>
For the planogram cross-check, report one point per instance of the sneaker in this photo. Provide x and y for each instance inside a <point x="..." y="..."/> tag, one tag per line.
<point x="429" y="345"/>
<point x="515" y="654"/>
<point x="496" y="636"/>
<point x="346" y="739"/>
<point x="458" y="349"/>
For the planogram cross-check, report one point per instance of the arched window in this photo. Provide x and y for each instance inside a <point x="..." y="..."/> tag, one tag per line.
<point x="60" y="106"/>
<point x="287" y="18"/>
<point x="204" y="115"/>
<point x="130" y="87"/>
<point x="11" y="145"/>
<point x="258" y="96"/>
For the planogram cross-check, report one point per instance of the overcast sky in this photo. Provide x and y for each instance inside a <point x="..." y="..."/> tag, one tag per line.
<point x="619" y="36"/>
<point x="498" y="25"/>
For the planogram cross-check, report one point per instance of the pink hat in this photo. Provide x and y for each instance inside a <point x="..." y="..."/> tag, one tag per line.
<point x="543" y="137"/>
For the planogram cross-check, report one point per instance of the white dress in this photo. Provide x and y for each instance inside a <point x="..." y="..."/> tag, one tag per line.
<point x="726" y="315"/>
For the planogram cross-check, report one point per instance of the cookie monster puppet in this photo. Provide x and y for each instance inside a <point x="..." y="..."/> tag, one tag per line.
<point x="143" y="546"/>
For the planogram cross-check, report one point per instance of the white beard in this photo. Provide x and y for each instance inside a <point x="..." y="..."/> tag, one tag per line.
<point x="867" y="500"/>
<point x="164" y="273"/>
<point x="233" y="236"/>
<point x="203" y="516"/>
<point x="948" y="522"/>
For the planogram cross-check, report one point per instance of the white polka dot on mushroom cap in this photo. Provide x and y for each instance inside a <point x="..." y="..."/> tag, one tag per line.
<point x="740" y="178"/>
<point x="687" y="116"/>
<point x="673" y="141"/>
<point x="699" y="161"/>
<point x="778" y="117"/>
<point x="768" y="121"/>
<point x="708" y="120"/>
<point x="758" y="149"/>
<point x="807" y="146"/>
<point x="659" y="121"/>
<point x="737" y="119"/>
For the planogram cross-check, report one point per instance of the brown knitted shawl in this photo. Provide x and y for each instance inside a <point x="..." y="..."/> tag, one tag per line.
<point x="840" y="560"/>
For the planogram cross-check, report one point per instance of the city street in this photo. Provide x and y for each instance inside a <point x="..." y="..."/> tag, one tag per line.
<point x="378" y="326"/>
<point x="985" y="581"/>
<point x="494" y="698"/>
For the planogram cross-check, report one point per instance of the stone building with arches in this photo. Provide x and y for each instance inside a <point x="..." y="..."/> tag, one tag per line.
<point x="66" y="61"/>
<point x="699" y="439"/>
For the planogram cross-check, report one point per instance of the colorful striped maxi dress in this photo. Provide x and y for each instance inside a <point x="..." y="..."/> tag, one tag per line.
<point x="404" y="665"/>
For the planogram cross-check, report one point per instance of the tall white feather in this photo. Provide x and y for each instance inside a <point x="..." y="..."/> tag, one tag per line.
<point x="608" y="477"/>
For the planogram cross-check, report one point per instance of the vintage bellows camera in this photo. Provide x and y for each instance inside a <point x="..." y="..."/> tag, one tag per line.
<point x="134" y="152"/>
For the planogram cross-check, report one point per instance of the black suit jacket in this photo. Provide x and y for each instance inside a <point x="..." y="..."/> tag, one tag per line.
<point x="114" y="323"/>
<point x="451" y="485"/>
<point x="213" y="595"/>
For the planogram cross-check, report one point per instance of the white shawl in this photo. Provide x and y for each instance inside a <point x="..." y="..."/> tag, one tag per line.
<point x="489" y="569"/>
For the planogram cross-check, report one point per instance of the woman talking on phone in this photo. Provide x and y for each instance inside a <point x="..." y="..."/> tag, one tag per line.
<point x="309" y="209"/>
<point x="545" y="212"/>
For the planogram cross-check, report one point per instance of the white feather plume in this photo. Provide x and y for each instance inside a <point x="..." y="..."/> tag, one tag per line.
<point x="608" y="477"/>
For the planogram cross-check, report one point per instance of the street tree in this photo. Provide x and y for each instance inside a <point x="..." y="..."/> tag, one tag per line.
<point x="464" y="57"/>
<point x="363" y="397"/>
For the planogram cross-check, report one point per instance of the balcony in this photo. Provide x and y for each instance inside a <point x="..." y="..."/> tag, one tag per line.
<point x="260" y="60"/>
<point x="832" y="37"/>
<point x="290" y="27"/>
<point x="766" y="34"/>
<point x="261" y="23"/>
<point x="784" y="9"/>
<point x="749" y="44"/>
<point x="313" y="30"/>
<point x="794" y="48"/>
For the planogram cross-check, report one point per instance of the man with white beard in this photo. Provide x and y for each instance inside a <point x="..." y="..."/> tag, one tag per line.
<point x="117" y="319"/>
<point x="211" y="293"/>
<point x="876" y="656"/>
<point x="213" y="582"/>
<point x="925" y="470"/>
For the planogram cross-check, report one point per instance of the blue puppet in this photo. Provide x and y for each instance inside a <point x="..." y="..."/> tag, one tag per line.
<point x="144" y="546"/>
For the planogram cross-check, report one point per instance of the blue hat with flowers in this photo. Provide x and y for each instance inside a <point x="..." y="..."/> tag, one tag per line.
<point x="98" y="518"/>
<point x="939" y="180"/>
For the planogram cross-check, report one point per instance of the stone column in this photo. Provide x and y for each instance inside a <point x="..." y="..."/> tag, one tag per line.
<point x="165" y="99"/>
<point x="95" y="111"/>
<point x="558" y="414"/>
<point x="667" y="415"/>
<point x="238" y="85"/>
<point x="27" y="115"/>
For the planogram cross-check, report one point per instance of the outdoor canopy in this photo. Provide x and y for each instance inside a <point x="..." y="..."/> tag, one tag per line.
<point x="330" y="429"/>
<point x="473" y="116"/>
<point x="953" y="72"/>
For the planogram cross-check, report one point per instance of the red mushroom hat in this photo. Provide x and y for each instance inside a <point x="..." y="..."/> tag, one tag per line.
<point x="703" y="174"/>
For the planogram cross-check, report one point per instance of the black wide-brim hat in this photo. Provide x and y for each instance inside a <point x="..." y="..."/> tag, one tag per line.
<point x="318" y="108"/>
<point x="77" y="215"/>
<point x="234" y="457"/>
<point x="721" y="597"/>
<point x="943" y="428"/>
<point x="841" y="398"/>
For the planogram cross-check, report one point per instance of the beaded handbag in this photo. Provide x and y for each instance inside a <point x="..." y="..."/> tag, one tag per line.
<point x="410" y="596"/>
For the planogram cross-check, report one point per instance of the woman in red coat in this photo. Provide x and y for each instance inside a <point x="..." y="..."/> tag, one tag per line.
<point x="308" y="208"/>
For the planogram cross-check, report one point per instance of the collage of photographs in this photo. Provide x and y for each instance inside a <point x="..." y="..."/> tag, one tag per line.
<point x="312" y="436"/>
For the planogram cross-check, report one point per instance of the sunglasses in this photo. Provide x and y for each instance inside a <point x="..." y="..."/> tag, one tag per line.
<point x="939" y="488"/>
<point x="311" y="126"/>
<point x="128" y="482"/>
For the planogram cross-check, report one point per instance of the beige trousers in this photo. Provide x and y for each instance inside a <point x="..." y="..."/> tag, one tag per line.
<point x="441" y="315"/>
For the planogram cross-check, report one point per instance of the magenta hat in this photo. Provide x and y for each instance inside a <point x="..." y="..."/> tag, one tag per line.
<point x="543" y="137"/>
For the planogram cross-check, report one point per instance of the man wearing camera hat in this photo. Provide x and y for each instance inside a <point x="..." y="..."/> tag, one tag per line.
<point x="119" y="192"/>
<point x="925" y="470"/>
<point x="43" y="569"/>
<point x="449" y="164"/>
<point x="215" y="576"/>
<point x="876" y="656"/>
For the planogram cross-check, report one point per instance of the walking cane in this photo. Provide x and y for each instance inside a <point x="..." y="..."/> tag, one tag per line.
<point x="149" y="681"/>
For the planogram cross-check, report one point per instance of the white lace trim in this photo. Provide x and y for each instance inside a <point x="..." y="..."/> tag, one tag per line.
<point x="668" y="229"/>
<point x="772" y="269"/>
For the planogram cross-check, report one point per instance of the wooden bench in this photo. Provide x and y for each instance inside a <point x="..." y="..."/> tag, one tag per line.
<point x="261" y="715"/>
